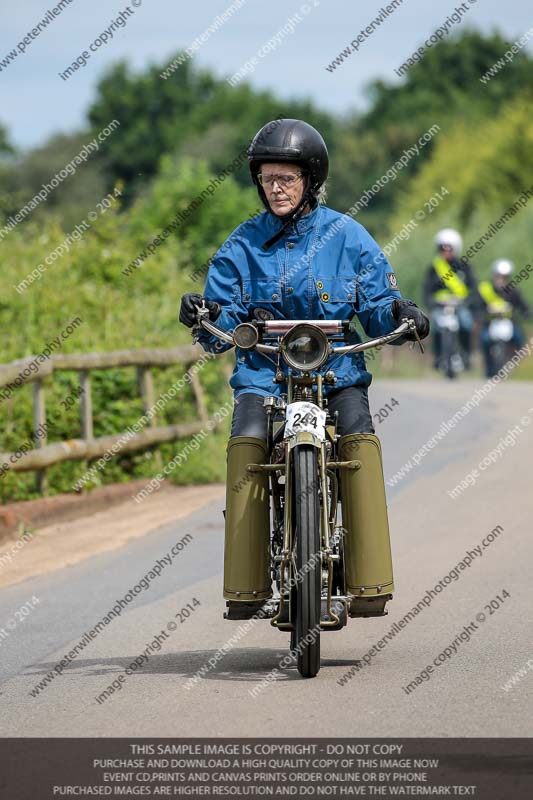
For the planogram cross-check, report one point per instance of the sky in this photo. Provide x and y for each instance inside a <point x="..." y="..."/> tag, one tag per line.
<point x="37" y="102"/>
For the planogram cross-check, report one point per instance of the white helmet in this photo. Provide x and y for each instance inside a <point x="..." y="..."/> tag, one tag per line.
<point x="448" y="237"/>
<point x="503" y="267"/>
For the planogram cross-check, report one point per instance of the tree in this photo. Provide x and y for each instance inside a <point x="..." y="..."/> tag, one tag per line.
<point x="443" y="88"/>
<point x="9" y="196"/>
<point x="154" y="116"/>
<point x="5" y="147"/>
<point x="488" y="177"/>
<point x="189" y="114"/>
<point x="77" y="194"/>
<point x="446" y="82"/>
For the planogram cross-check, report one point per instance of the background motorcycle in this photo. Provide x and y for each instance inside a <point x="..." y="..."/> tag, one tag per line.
<point x="500" y="332"/>
<point x="445" y="323"/>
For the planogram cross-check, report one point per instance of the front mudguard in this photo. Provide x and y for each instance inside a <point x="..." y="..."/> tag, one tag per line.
<point x="304" y="437"/>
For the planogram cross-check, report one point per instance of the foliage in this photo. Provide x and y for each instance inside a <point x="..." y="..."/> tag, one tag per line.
<point x="482" y="187"/>
<point x="194" y="115"/>
<point x="139" y="310"/>
<point x="444" y="87"/>
<point x="445" y="83"/>
<point x="24" y="176"/>
<point x="191" y="114"/>
<point x="6" y="148"/>
<point x="488" y="176"/>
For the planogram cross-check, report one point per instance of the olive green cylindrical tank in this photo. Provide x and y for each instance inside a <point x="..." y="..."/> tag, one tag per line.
<point x="247" y="574"/>
<point x="367" y="553"/>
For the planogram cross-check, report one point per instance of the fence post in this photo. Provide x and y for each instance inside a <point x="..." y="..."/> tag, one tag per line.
<point x="199" y="397"/>
<point x="146" y="387"/>
<point x="86" y="412"/>
<point x="39" y="431"/>
<point x="86" y="405"/>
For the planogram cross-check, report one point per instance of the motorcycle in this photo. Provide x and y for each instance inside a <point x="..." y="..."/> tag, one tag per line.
<point x="303" y="473"/>
<point x="446" y="325"/>
<point x="500" y="334"/>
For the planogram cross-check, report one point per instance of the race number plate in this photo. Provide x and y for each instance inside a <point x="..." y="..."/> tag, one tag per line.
<point x="446" y="321"/>
<point x="305" y="417"/>
<point x="501" y="330"/>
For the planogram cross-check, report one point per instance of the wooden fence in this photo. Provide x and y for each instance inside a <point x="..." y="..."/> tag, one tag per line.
<point x="86" y="447"/>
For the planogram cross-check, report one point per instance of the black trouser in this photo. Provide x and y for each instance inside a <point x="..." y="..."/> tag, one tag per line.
<point x="249" y="416"/>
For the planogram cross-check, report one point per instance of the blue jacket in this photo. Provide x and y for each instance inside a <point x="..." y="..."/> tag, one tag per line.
<point x="326" y="267"/>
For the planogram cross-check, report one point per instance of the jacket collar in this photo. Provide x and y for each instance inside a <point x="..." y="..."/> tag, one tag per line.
<point x="303" y="225"/>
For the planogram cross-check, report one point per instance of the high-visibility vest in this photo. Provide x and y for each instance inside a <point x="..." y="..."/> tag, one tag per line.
<point x="492" y="298"/>
<point x="455" y="287"/>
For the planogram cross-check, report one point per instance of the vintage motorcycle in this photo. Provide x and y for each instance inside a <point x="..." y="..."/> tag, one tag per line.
<point x="282" y="522"/>
<point x="446" y="324"/>
<point x="500" y="334"/>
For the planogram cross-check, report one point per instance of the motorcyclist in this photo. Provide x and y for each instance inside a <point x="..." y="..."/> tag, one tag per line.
<point x="448" y="278"/>
<point x="501" y="299"/>
<point x="297" y="260"/>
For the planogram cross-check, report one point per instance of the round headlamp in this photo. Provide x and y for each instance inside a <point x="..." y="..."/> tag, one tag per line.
<point x="305" y="347"/>
<point x="245" y="336"/>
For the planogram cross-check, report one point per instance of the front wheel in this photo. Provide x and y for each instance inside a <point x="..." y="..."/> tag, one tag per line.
<point x="451" y="360"/>
<point x="306" y="641"/>
<point x="500" y="353"/>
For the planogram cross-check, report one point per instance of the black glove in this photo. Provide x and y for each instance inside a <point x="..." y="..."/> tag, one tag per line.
<point x="190" y="304"/>
<point x="406" y="308"/>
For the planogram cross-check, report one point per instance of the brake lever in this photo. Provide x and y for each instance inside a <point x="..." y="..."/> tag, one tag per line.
<point x="413" y="330"/>
<point x="202" y="312"/>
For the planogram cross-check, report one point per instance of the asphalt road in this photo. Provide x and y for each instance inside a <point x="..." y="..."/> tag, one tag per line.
<point x="431" y="533"/>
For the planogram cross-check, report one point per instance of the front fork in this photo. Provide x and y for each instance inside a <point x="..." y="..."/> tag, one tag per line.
<point x="327" y="523"/>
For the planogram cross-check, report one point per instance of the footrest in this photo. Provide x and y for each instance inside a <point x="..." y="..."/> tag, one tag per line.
<point x="368" y="606"/>
<point x="247" y="610"/>
<point x="339" y="608"/>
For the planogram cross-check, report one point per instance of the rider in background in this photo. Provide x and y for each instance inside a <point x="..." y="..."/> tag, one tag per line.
<point x="501" y="299"/>
<point x="450" y="280"/>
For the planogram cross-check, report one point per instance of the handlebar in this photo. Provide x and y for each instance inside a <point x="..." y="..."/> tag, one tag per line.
<point x="406" y="326"/>
<point x="273" y="326"/>
<point x="280" y="327"/>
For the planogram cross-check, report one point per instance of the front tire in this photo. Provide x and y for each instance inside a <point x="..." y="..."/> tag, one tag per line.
<point x="500" y="353"/>
<point x="448" y="350"/>
<point x="309" y="567"/>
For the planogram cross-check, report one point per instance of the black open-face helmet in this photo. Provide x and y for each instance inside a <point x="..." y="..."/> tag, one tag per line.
<point x="295" y="142"/>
